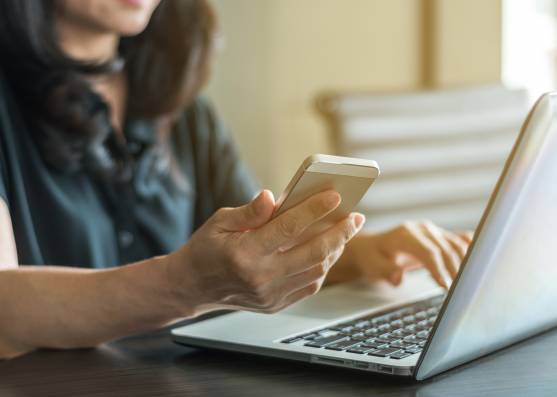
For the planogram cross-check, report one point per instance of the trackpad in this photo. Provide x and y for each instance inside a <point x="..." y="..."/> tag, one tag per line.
<point x="346" y="299"/>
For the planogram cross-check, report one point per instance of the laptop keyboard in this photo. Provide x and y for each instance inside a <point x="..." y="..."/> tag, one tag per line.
<point x="396" y="334"/>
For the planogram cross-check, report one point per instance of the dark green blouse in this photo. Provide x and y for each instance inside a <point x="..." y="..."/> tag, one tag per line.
<point x="76" y="220"/>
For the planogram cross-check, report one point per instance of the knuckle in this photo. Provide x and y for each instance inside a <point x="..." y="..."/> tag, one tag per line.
<point x="319" y="251"/>
<point x="287" y="226"/>
<point x="321" y="269"/>
<point x="314" y="288"/>
<point x="266" y="302"/>
<point x="260" y="298"/>
<point x="348" y="232"/>
<point x="272" y="309"/>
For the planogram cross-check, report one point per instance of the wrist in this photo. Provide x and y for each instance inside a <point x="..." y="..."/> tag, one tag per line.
<point x="185" y="292"/>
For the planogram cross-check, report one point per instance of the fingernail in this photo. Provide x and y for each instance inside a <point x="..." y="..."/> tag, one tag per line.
<point x="358" y="220"/>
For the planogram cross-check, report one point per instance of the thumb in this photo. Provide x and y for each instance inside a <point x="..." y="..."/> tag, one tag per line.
<point x="250" y="216"/>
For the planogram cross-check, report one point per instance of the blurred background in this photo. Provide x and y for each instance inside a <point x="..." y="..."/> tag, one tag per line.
<point x="434" y="90"/>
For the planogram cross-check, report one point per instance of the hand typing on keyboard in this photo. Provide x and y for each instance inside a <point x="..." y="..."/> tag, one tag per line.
<point x="389" y="254"/>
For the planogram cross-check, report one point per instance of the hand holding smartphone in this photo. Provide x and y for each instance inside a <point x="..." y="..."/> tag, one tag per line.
<point x="350" y="177"/>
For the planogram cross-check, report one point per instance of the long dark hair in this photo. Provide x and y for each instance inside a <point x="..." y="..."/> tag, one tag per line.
<point x="166" y="66"/>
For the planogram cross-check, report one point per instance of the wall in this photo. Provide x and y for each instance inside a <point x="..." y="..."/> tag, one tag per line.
<point x="280" y="54"/>
<point x="465" y="41"/>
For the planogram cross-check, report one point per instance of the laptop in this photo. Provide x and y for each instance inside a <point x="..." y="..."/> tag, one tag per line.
<point x="505" y="291"/>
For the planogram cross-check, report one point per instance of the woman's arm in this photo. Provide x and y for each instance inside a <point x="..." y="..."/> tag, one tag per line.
<point x="60" y="307"/>
<point x="68" y="307"/>
<point x="234" y="261"/>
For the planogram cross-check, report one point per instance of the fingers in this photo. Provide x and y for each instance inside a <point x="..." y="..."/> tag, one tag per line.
<point x="250" y="216"/>
<point x="289" y="225"/>
<point x="450" y="256"/>
<point x="458" y="243"/>
<point x="467" y="236"/>
<point x="438" y="250"/>
<point x="321" y="247"/>
<point x="412" y="240"/>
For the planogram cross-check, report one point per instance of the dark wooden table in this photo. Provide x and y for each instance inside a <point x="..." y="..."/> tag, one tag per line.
<point x="151" y="365"/>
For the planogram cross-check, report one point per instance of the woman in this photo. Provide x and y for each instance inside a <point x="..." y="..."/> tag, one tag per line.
<point x="113" y="170"/>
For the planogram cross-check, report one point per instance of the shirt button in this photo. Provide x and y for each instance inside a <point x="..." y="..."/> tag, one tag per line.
<point x="125" y="238"/>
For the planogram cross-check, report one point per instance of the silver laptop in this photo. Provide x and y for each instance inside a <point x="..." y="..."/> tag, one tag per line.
<point x="506" y="289"/>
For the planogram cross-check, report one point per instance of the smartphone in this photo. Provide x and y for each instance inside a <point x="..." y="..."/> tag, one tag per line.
<point x="350" y="177"/>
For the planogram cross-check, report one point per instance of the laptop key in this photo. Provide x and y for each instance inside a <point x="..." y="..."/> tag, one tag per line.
<point x="396" y="324"/>
<point x="432" y="311"/>
<point x="384" y="352"/>
<point x="362" y="324"/>
<point x="326" y="332"/>
<point x="399" y="332"/>
<point x="403" y="344"/>
<point x="422" y="334"/>
<point x="360" y="349"/>
<point x="409" y="319"/>
<point x="406" y="332"/>
<point x="422" y="325"/>
<point x="359" y="336"/>
<point x="380" y="320"/>
<point x="342" y="345"/>
<point x="347" y="330"/>
<point x="411" y="338"/>
<point x="399" y="355"/>
<point x="421" y="315"/>
<point x="291" y="340"/>
<point x="413" y="350"/>
<point x="389" y="337"/>
<point x="371" y="331"/>
<point x="320" y="342"/>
